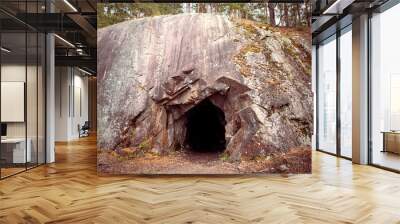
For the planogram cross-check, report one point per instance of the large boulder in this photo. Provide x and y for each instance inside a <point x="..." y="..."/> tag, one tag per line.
<point x="152" y="71"/>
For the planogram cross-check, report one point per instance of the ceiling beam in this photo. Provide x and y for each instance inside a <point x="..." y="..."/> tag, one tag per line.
<point x="81" y="61"/>
<point x="84" y="24"/>
<point x="49" y="22"/>
<point x="337" y="7"/>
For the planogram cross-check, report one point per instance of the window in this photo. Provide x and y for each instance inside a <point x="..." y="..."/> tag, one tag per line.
<point x="327" y="95"/>
<point x="346" y="92"/>
<point x="385" y="89"/>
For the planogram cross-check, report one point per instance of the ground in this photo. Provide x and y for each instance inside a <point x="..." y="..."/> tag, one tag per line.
<point x="187" y="162"/>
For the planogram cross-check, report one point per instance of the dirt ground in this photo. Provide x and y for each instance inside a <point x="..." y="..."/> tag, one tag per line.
<point x="294" y="161"/>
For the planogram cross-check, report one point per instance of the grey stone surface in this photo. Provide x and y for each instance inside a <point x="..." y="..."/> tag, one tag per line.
<point x="152" y="71"/>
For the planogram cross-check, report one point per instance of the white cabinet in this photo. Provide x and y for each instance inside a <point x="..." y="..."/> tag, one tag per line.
<point x="17" y="146"/>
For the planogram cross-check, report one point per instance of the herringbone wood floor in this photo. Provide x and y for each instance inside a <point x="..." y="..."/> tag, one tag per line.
<point x="70" y="191"/>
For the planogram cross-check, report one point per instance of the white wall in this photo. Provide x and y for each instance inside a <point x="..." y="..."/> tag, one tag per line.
<point x="79" y="117"/>
<point x="71" y="94"/>
<point x="12" y="73"/>
<point x="62" y="81"/>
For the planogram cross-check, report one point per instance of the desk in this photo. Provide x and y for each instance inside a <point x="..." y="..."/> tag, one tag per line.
<point x="391" y="141"/>
<point x="13" y="150"/>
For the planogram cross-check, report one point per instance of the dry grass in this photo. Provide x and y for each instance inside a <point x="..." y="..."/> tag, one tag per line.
<point x="297" y="160"/>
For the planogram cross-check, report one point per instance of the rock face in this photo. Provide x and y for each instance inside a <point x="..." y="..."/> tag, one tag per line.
<point x="153" y="71"/>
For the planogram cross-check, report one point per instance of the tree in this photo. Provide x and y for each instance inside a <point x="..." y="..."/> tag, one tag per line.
<point x="308" y="13"/>
<point x="112" y="13"/>
<point x="285" y="14"/>
<point x="271" y="13"/>
<point x="201" y="8"/>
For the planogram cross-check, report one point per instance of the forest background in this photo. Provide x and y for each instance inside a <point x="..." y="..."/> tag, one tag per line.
<point x="275" y="14"/>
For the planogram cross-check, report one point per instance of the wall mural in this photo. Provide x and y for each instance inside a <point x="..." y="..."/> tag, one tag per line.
<point x="205" y="89"/>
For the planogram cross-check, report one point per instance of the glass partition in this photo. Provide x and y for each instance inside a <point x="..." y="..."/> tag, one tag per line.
<point x="22" y="89"/>
<point x="13" y="94"/>
<point x="327" y="95"/>
<point x="31" y="99"/>
<point x="41" y="91"/>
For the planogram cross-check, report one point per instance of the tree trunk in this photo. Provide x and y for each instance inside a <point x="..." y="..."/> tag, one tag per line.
<point x="308" y="12"/>
<point x="286" y="14"/>
<point x="266" y="13"/>
<point x="202" y="7"/>
<point x="271" y="12"/>
<point x="298" y="15"/>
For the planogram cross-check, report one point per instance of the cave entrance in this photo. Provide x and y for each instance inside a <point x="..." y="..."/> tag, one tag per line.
<point x="205" y="128"/>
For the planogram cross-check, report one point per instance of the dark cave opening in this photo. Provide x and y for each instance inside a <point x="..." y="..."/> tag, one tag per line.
<point x="205" y="128"/>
